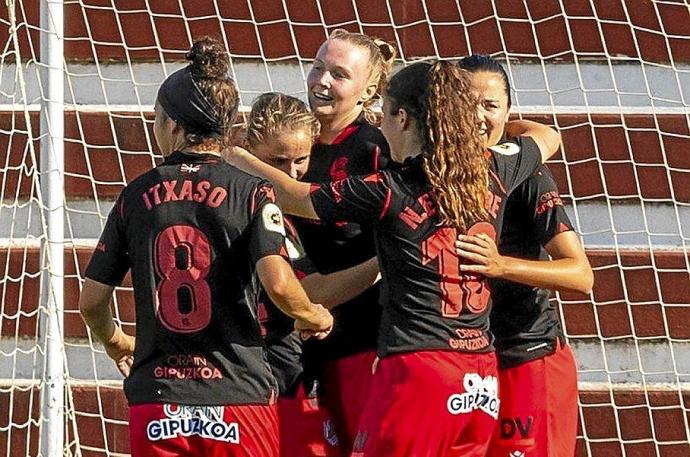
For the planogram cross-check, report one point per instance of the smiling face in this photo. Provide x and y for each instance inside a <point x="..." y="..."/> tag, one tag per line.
<point x="490" y="90"/>
<point x="339" y="79"/>
<point x="289" y="152"/>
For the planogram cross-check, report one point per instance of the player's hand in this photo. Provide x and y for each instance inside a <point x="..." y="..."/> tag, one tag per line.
<point x="319" y="327"/>
<point x="234" y="155"/>
<point x="120" y="348"/>
<point x="481" y="251"/>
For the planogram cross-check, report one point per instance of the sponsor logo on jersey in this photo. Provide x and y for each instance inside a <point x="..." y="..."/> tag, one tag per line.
<point x="506" y="149"/>
<point x="204" y="421"/>
<point x="187" y="367"/>
<point x="549" y="200"/>
<point x="360" y="442"/>
<point x="273" y="218"/>
<point x="480" y="394"/>
<point x="329" y="433"/>
<point x="511" y="426"/>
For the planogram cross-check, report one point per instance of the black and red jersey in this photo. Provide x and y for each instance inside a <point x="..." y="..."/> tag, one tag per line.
<point x="524" y="320"/>
<point x="336" y="245"/>
<point x="191" y="231"/>
<point x="428" y="304"/>
<point x="283" y="345"/>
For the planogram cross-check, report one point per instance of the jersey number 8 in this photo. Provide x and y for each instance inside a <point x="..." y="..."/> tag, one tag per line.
<point x="182" y="259"/>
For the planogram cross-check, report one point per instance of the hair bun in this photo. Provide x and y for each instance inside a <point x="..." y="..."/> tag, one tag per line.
<point x="388" y="51"/>
<point x="208" y="59"/>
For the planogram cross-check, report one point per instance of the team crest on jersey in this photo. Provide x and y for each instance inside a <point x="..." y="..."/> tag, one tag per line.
<point x="204" y="421"/>
<point x="480" y="393"/>
<point x="272" y="218"/>
<point x="517" y="454"/>
<point x="506" y="149"/>
<point x="188" y="168"/>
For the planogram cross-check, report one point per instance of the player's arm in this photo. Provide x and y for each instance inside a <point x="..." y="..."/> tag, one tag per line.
<point x="342" y="286"/>
<point x="293" y="195"/>
<point x="568" y="270"/>
<point x="94" y="305"/>
<point x="283" y="288"/>
<point x="548" y="140"/>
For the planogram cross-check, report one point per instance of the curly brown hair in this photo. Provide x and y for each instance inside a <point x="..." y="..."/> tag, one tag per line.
<point x="439" y="97"/>
<point x="381" y="57"/>
<point x="210" y="62"/>
<point x="274" y="113"/>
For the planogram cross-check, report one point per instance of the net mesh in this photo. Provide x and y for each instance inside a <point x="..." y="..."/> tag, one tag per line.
<point x="612" y="76"/>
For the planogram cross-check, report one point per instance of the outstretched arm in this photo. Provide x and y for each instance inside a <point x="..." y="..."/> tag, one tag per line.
<point x="568" y="270"/>
<point x="94" y="305"/>
<point x="548" y="139"/>
<point x="342" y="286"/>
<point x="293" y="195"/>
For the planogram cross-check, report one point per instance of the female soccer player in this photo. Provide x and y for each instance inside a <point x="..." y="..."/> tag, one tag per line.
<point x="281" y="131"/>
<point x="537" y="372"/>
<point x="346" y="79"/>
<point x="194" y="231"/>
<point x="434" y="391"/>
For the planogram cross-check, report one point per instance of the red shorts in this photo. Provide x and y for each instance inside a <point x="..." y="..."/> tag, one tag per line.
<point x="538" y="416"/>
<point x="430" y="404"/>
<point x="166" y="430"/>
<point x="306" y="429"/>
<point x="346" y="384"/>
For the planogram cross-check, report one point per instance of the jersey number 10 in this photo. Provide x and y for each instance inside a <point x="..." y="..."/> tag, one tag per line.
<point x="182" y="257"/>
<point x="458" y="290"/>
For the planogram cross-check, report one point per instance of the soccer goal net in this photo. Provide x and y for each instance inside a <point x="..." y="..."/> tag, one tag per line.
<point x="78" y="80"/>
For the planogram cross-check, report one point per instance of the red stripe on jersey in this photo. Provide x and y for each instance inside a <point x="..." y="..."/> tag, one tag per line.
<point x="377" y="154"/>
<point x="498" y="181"/>
<point x="386" y="204"/>
<point x="252" y="203"/>
<point x="121" y="209"/>
<point x="283" y="253"/>
<point x="314" y="187"/>
<point x="347" y="132"/>
<point x="291" y="228"/>
<point x="563" y="228"/>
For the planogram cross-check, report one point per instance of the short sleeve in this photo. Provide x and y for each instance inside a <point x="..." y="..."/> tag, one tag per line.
<point x="301" y="263"/>
<point x="356" y="199"/>
<point x="515" y="160"/>
<point x="110" y="260"/>
<point x="267" y="226"/>
<point x="546" y="205"/>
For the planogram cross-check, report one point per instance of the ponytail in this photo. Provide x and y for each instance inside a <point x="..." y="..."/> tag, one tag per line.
<point x="439" y="97"/>
<point x="456" y="165"/>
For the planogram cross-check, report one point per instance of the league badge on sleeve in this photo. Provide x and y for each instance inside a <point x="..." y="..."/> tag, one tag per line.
<point x="272" y="218"/>
<point x="506" y="149"/>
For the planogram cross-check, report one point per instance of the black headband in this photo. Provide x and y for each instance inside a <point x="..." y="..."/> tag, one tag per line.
<point x="185" y="103"/>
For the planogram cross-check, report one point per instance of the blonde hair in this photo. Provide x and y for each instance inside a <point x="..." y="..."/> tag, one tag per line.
<point x="439" y="97"/>
<point x="381" y="57"/>
<point x="274" y="113"/>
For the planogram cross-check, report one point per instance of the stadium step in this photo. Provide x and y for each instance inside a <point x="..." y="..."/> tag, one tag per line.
<point x="614" y="156"/>
<point x="659" y="276"/>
